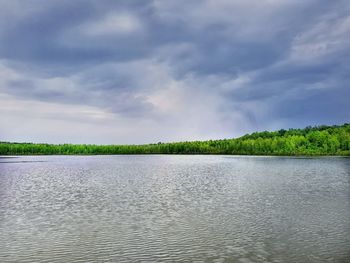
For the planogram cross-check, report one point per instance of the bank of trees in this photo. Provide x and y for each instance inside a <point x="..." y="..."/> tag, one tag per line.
<point x="320" y="140"/>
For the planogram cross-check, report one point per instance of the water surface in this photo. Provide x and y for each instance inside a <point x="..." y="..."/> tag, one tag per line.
<point x="174" y="208"/>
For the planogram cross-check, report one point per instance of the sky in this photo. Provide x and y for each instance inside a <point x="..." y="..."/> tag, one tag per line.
<point x="130" y="72"/>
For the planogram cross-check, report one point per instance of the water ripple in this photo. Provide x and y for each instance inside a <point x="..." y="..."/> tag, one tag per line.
<point x="174" y="209"/>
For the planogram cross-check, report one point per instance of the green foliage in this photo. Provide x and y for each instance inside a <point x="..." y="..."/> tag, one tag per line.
<point x="320" y="140"/>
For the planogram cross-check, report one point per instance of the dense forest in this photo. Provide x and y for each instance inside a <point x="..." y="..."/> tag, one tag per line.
<point x="320" y="140"/>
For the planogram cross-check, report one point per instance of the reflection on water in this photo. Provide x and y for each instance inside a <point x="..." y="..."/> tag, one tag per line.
<point x="174" y="208"/>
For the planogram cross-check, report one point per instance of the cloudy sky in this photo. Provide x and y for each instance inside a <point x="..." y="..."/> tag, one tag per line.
<point x="100" y="71"/>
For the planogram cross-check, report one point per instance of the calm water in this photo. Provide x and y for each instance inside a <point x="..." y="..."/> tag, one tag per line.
<point x="174" y="208"/>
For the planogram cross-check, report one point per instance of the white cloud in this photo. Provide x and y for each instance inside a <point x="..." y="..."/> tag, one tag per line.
<point x="112" y="24"/>
<point x="181" y="109"/>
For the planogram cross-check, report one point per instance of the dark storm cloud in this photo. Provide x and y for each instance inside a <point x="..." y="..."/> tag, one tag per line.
<point x="38" y="32"/>
<point x="259" y="64"/>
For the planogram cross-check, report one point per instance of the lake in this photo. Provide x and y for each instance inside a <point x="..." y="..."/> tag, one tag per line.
<point x="162" y="208"/>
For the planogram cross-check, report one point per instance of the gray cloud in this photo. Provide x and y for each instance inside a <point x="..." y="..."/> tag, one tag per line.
<point x="186" y="70"/>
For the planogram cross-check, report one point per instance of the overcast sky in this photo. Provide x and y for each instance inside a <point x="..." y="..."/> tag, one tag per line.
<point x="110" y="72"/>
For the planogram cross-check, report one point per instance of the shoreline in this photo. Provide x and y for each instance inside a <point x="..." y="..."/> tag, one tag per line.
<point x="179" y="154"/>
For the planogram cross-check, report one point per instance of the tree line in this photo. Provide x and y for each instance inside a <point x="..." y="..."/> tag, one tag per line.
<point x="318" y="140"/>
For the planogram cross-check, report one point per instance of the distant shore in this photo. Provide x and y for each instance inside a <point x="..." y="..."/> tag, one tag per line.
<point x="310" y="141"/>
<point x="179" y="154"/>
